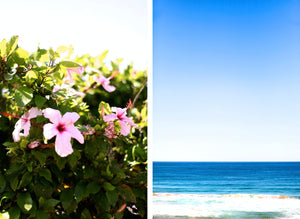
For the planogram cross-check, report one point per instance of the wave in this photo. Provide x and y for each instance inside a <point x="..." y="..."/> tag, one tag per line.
<point x="225" y="206"/>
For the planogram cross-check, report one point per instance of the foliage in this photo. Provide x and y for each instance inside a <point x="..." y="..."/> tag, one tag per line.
<point x="102" y="176"/>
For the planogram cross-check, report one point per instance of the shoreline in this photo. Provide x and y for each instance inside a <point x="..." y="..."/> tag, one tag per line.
<point x="209" y="206"/>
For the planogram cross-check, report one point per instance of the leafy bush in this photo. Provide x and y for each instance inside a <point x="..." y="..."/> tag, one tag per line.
<point x="73" y="135"/>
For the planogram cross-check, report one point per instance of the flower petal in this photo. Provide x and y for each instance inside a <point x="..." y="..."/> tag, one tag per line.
<point x="53" y="115"/>
<point x="110" y="117"/>
<point x="34" y="112"/>
<point x="69" y="75"/>
<point x="16" y="135"/>
<point x="63" y="145"/>
<point x="119" y="111"/>
<point x="129" y="121"/>
<point x="34" y="144"/>
<point x="125" y="129"/>
<point x="17" y="130"/>
<point x="108" y="88"/>
<point x="50" y="130"/>
<point x="26" y="127"/>
<point x="70" y="117"/>
<point x="116" y="109"/>
<point x="75" y="133"/>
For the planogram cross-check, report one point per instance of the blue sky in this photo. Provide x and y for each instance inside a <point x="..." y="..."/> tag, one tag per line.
<point x="226" y="80"/>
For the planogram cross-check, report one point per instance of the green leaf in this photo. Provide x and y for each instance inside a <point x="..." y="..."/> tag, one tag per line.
<point x="29" y="166"/>
<point x="89" y="172"/>
<point x="3" y="48"/>
<point x="108" y="187"/>
<point x="48" y="82"/>
<point x="7" y="195"/>
<point x="90" y="149"/>
<point x="107" y="216"/>
<point x="8" y="76"/>
<point x="26" y="179"/>
<point x="66" y="198"/>
<point x="16" y="167"/>
<point x="127" y="193"/>
<point x="23" y="96"/>
<point x="93" y="188"/>
<point x="24" y="201"/>
<point x="41" y="215"/>
<point x="71" y="50"/>
<point x="103" y="55"/>
<point x="53" y="55"/>
<point x="40" y="119"/>
<point x="138" y="152"/>
<point x="61" y="49"/>
<point x="105" y="107"/>
<point x="31" y="76"/>
<point x="4" y="215"/>
<point x="85" y="214"/>
<point x="41" y="55"/>
<point x="60" y="161"/>
<point x="39" y="101"/>
<point x="14" y="182"/>
<point x="2" y="183"/>
<point x="19" y="56"/>
<point x="104" y="202"/>
<point x="24" y="143"/>
<point x="50" y="203"/>
<point x="11" y="45"/>
<point x="69" y="64"/>
<point x="41" y="201"/>
<point x="41" y="157"/>
<point x="14" y="212"/>
<point x="73" y="160"/>
<point x="44" y="172"/>
<point x="108" y="172"/>
<point x="112" y="197"/>
<point x="80" y="191"/>
<point x="42" y="187"/>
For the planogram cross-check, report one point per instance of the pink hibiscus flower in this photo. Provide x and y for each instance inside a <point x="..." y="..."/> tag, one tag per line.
<point x="110" y="130"/>
<point x="24" y="123"/>
<point x="105" y="82"/>
<point x="34" y="144"/>
<point x="63" y="128"/>
<point x="120" y="114"/>
<point x="71" y="91"/>
<point x="70" y="71"/>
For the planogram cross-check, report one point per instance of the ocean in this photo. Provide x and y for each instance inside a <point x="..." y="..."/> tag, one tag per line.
<point x="226" y="190"/>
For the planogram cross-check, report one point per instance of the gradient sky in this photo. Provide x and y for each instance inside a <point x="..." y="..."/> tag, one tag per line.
<point x="91" y="26"/>
<point x="226" y="80"/>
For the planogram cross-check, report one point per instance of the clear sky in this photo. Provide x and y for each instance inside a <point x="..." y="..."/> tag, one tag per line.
<point x="91" y="26"/>
<point x="226" y="80"/>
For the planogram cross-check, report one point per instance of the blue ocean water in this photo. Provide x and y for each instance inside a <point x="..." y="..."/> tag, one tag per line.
<point x="227" y="189"/>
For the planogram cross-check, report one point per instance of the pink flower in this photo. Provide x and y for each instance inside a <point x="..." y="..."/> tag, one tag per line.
<point x="120" y="114"/>
<point x="34" y="144"/>
<point x="71" y="91"/>
<point x="63" y="128"/>
<point x="90" y="131"/>
<point x="70" y="71"/>
<point x="24" y="123"/>
<point x="105" y="82"/>
<point x="110" y="130"/>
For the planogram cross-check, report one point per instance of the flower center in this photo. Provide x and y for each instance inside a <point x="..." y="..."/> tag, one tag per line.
<point x="61" y="127"/>
<point x="120" y="116"/>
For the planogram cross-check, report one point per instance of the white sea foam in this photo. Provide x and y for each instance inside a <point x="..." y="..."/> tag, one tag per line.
<point x="197" y="205"/>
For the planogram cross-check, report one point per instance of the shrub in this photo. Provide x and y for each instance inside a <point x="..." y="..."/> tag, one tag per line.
<point x="73" y="135"/>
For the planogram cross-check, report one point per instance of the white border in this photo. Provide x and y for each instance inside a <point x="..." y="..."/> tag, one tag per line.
<point x="150" y="104"/>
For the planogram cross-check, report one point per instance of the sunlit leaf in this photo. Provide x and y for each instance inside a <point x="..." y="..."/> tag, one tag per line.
<point x="23" y="96"/>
